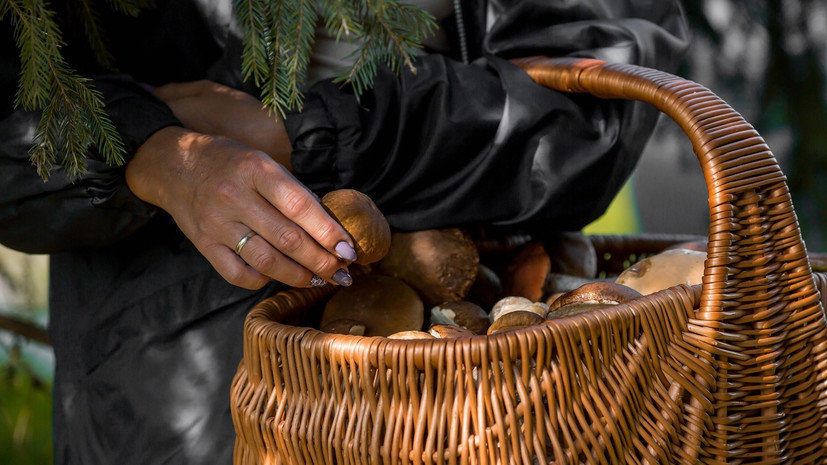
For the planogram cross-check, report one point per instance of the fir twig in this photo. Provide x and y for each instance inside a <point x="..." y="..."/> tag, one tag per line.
<point x="73" y="116"/>
<point x="88" y="16"/>
<point x="278" y="39"/>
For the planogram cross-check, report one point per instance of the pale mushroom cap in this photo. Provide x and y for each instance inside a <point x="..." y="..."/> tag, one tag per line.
<point x="516" y="303"/>
<point x="411" y="335"/>
<point x="664" y="270"/>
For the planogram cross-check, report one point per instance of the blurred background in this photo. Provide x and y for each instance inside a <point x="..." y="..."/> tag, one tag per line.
<point x="766" y="58"/>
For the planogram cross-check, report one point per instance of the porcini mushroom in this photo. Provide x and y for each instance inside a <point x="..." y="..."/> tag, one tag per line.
<point x="666" y="269"/>
<point x="590" y="296"/>
<point x="411" y="335"/>
<point x="461" y="313"/>
<point x="514" y="320"/>
<point x="527" y="271"/>
<point x="344" y="326"/>
<point x="449" y="331"/>
<point x="516" y="303"/>
<point x="360" y="217"/>
<point x="440" y="264"/>
<point x="385" y="305"/>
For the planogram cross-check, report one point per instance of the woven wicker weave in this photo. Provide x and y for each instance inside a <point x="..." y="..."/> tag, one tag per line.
<point x="727" y="372"/>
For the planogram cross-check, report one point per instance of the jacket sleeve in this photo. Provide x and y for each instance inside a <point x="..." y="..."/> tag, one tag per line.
<point x="462" y="144"/>
<point x="61" y="214"/>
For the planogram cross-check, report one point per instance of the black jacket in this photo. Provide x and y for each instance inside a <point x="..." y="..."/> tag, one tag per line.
<point x="147" y="336"/>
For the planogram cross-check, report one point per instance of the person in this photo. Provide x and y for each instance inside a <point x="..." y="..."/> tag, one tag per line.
<point x="154" y="264"/>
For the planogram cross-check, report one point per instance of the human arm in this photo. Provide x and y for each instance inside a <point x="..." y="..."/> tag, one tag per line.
<point x="217" y="190"/>
<point x="100" y="209"/>
<point x="480" y="143"/>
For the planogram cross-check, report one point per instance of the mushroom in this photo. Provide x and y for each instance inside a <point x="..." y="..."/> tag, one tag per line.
<point x="461" y="313"/>
<point x="516" y="303"/>
<point x="540" y="269"/>
<point x="666" y="269"/>
<point x="385" y="305"/>
<point x="414" y="334"/>
<point x="487" y="288"/>
<point x="514" y="320"/>
<point x="449" y="331"/>
<point x="360" y="217"/>
<point x="589" y="296"/>
<point x="440" y="264"/>
<point x="344" y="326"/>
<point x="572" y="253"/>
<point x="526" y="274"/>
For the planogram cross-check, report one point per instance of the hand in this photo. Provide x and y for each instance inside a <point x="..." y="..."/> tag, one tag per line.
<point x="219" y="190"/>
<point x="211" y="108"/>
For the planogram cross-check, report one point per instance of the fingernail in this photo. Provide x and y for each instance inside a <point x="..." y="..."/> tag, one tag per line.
<point x="316" y="281"/>
<point x="342" y="278"/>
<point x="346" y="251"/>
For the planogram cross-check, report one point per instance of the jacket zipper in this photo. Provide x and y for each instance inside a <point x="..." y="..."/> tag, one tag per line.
<point x="463" y="45"/>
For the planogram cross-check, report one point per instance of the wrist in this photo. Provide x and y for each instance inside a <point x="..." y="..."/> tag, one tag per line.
<point x="159" y="156"/>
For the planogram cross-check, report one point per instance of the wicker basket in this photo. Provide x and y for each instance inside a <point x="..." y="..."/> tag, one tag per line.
<point x="727" y="372"/>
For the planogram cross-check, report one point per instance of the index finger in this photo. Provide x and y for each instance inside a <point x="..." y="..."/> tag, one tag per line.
<point x="302" y="207"/>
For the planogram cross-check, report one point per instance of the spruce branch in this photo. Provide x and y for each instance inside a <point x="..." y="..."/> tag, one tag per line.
<point x="88" y="16"/>
<point x="278" y="39"/>
<point x="73" y="117"/>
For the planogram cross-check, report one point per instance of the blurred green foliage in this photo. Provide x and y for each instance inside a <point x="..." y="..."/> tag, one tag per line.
<point x="25" y="413"/>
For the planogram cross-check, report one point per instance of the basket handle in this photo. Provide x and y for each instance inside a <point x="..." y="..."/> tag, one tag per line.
<point x="755" y="245"/>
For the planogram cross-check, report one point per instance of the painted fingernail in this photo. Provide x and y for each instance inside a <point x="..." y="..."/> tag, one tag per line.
<point x="342" y="278"/>
<point x="346" y="251"/>
<point x="316" y="281"/>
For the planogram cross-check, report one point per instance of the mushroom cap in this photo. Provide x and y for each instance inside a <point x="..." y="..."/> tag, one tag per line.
<point x="514" y="320"/>
<point x="462" y="313"/>
<point x="572" y="253"/>
<point x="598" y="293"/>
<point x="440" y="264"/>
<point x="487" y="288"/>
<point x="344" y="326"/>
<point x="664" y="270"/>
<point x="385" y="305"/>
<point x="589" y="296"/>
<point x="413" y="334"/>
<point x="360" y="217"/>
<point x="515" y="303"/>
<point x="449" y="331"/>
<point x="526" y="273"/>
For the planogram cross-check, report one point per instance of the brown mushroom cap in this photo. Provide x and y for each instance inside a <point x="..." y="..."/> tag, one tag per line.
<point x="344" y="326"/>
<point x="411" y="335"/>
<point x="360" y="217"/>
<point x="573" y="253"/>
<point x="527" y="271"/>
<point x="487" y="288"/>
<point x="589" y="296"/>
<point x="385" y="305"/>
<point x="666" y="269"/>
<point x="462" y="313"/>
<point x="449" y="331"/>
<point x="514" y="320"/>
<point x="440" y="264"/>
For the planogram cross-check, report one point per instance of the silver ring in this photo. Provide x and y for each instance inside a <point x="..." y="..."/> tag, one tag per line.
<point x="243" y="241"/>
<point x="316" y="281"/>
